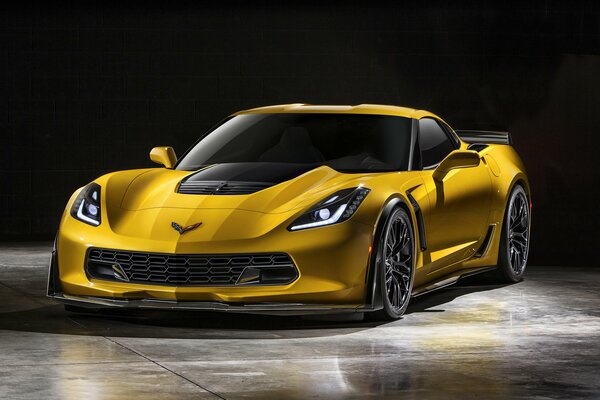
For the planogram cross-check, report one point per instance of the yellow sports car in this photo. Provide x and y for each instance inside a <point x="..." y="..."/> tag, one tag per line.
<point x="299" y="209"/>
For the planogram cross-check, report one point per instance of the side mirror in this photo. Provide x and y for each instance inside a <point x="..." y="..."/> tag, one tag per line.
<point x="164" y="155"/>
<point x="454" y="160"/>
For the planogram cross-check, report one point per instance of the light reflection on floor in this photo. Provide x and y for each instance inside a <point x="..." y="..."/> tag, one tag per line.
<point x="539" y="338"/>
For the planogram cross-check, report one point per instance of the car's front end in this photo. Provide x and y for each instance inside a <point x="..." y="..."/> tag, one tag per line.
<point x="233" y="257"/>
<point x="269" y="212"/>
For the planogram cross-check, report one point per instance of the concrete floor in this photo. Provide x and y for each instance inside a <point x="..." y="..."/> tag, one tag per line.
<point x="536" y="339"/>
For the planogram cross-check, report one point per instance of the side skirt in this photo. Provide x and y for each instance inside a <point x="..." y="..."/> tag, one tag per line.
<point x="449" y="280"/>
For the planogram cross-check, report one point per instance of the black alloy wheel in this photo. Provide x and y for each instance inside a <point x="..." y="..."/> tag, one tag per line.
<point x="396" y="260"/>
<point x="514" y="243"/>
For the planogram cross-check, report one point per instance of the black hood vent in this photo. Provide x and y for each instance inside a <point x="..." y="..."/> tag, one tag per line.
<point x="216" y="187"/>
<point x="240" y="178"/>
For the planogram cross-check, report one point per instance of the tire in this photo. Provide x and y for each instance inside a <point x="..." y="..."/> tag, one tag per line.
<point x="395" y="260"/>
<point x="514" y="242"/>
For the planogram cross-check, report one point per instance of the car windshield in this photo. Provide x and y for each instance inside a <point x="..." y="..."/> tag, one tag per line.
<point x="344" y="142"/>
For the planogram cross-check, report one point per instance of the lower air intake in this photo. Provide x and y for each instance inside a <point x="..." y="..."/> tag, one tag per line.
<point x="191" y="269"/>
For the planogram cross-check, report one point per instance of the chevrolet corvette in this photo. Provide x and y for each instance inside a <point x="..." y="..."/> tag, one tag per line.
<point x="299" y="209"/>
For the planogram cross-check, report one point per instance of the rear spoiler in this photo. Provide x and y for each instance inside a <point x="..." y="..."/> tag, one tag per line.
<point x="485" y="137"/>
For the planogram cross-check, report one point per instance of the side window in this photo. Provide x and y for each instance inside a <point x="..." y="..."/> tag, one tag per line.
<point x="450" y="133"/>
<point x="434" y="142"/>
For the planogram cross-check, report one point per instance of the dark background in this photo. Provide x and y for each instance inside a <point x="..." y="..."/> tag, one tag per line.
<point x="89" y="89"/>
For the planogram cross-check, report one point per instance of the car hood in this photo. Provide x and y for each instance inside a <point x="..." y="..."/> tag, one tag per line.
<point x="265" y="187"/>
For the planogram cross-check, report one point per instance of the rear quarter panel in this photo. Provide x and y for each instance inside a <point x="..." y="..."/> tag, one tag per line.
<point x="506" y="169"/>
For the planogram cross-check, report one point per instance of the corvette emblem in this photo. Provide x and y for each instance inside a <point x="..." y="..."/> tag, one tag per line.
<point x="184" y="229"/>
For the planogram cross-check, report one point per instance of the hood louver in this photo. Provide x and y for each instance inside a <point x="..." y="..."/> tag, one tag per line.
<point x="240" y="178"/>
<point x="223" y="188"/>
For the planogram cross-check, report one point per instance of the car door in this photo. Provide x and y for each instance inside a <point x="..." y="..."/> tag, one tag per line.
<point x="459" y="206"/>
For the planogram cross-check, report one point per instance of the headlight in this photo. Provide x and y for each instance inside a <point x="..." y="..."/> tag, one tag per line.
<point x="334" y="209"/>
<point x="86" y="207"/>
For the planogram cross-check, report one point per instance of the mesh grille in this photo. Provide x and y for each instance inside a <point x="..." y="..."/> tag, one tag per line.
<point x="186" y="270"/>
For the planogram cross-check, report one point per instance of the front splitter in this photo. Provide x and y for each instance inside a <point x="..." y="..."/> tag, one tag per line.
<point x="257" y="308"/>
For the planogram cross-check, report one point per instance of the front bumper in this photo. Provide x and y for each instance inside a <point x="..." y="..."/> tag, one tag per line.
<point x="332" y="263"/>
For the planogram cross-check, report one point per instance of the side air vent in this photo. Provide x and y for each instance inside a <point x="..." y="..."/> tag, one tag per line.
<point x="221" y="187"/>
<point x="485" y="245"/>
<point x="477" y="147"/>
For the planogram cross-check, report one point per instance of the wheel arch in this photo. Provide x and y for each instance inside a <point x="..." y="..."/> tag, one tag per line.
<point x="518" y="179"/>
<point x="373" y="296"/>
<point x="521" y="180"/>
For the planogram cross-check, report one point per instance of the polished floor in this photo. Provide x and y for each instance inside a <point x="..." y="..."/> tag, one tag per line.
<point x="536" y="339"/>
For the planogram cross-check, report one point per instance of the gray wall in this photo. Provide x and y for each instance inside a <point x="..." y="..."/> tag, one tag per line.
<point x="90" y="89"/>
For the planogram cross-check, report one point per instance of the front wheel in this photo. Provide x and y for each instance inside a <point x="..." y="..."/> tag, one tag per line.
<point x="514" y="243"/>
<point x="395" y="261"/>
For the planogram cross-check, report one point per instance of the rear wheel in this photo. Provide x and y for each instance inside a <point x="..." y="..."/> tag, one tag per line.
<point x="514" y="243"/>
<point x="395" y="261"/>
